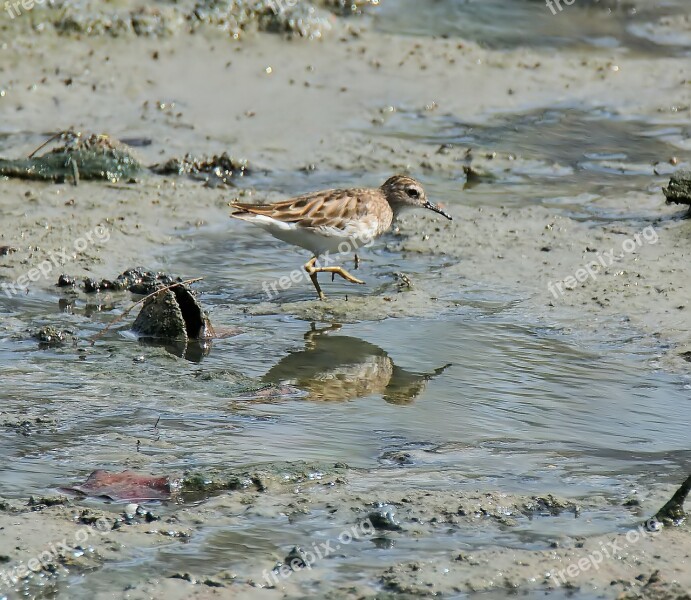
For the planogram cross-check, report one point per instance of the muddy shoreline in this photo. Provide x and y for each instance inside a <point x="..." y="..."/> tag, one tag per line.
<point x="348" y="109"/>
<point x="632" y="561"/>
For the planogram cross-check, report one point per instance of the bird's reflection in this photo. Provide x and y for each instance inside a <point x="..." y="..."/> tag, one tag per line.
<point x="338" y="367"/>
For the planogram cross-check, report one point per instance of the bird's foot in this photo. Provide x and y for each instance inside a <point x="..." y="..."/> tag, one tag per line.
<point x="341" y="272"/>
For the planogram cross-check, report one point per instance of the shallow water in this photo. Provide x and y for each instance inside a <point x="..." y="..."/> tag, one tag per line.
<point x="564" y="157"/>
<point x="518" y="409"/>
<point x="477" y="393"/>
<point x="631" y="27"/>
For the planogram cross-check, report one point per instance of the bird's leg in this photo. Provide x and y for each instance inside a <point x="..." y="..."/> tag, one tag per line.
<point x="339" y="271"/>
<point x="356" y="266"/>
<point x="312" y="272"/>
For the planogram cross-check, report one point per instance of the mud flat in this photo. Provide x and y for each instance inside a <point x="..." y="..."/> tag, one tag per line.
<point x="352" y="516"/>
<point x="536" y="231"/>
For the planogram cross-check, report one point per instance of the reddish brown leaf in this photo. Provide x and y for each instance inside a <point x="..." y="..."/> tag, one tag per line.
<point x="126" y="485"/>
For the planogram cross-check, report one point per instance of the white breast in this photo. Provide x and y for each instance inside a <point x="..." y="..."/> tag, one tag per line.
<point x="323" y="239"/>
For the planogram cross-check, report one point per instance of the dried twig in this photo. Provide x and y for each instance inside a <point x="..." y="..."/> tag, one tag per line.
<point x="48" y="141"/>
<point x="101" y="333"/>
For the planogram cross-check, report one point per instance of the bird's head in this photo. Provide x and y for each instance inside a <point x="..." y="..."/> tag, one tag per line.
<point x="405" y="192"/>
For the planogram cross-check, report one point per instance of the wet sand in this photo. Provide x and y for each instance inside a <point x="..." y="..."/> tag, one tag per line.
<point x="287" y="105"/>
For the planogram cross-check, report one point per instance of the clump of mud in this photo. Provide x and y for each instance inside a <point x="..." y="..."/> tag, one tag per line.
<point x="218" y="170"/>
<point x="142" y="21"/>
<point x="237" y="17"/>
<point x="273" y="477"/>
<point x="137" y="281"/>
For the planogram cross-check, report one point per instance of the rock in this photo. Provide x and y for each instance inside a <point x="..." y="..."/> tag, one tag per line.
<point x="385" y="519"/>
<point x="297" y="559"/>
<point x="66" y="281"/>
<point x="476" y="175"/>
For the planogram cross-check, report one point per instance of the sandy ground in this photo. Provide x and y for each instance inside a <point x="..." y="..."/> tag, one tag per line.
<point x="308" y="108"/>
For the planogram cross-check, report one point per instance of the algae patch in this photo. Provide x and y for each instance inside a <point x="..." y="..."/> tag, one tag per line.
<point x="89" y="157"/>
<point x="100" y="157"/>
<point x="679" y="189"/>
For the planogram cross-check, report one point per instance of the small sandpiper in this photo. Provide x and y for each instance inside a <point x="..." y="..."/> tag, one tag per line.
<point x="337" y="221"/>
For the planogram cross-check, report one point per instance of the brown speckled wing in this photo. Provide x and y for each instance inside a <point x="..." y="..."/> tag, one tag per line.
<point x="332" y="208"/>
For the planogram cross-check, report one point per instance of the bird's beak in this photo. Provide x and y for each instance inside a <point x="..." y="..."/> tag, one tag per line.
<point x="436" y="209"/>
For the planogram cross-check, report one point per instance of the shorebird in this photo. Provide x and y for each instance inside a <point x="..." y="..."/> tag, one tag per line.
<point x="337" y="221"/>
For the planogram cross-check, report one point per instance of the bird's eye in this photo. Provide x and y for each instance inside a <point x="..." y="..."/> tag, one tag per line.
<point x="413" y="192"/>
